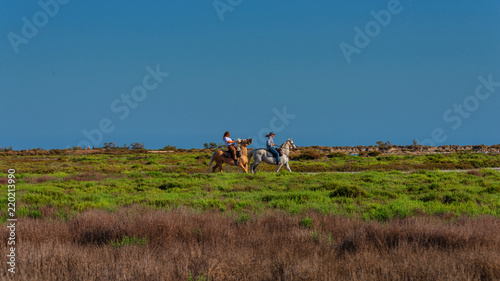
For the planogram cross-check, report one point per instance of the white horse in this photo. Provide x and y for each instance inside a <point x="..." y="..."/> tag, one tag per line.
<point x="261" y="154"/>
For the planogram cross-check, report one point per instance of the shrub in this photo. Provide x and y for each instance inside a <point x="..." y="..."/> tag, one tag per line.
<point x="211" y="145"/>
<point x="374" y="153"/>
<point x="350" y="191"/>
<point x="336" y="155"/>
<point x="451" y="197"/>
<point x="168" y="185"/>
<point x="110" y="145"/>
<point x="306" y="222"/>
<point x="35" y="214"/>
<point x="428" y="197"/>
<point x="56" y="151"/>
<point x="203" y="156"/>
<point x="309" y="154"/>
<point x="478" y="147"/>
<point x="136" y="145"/>
<point x="243" y="218"/>
<point x="170" y="148"/>
<point x="127" y="241"/>
<point x="492" y="189"/>
<point x="475" y="173"/>
<point x="5" y="149"/>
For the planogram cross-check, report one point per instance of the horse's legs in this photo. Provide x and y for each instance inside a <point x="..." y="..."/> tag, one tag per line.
<point x="279" y="167"/>
<point x="243" y="167"/>
<point x="288" y="167"/>
<point x="218" y="166"/>
<point x="254" y="165"/>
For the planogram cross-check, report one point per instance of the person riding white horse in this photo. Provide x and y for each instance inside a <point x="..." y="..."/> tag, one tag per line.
<point x="264" y="155"/>
<point x="270" y="146"/>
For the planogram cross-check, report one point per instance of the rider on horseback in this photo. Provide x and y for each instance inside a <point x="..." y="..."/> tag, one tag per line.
<point x="230" y="146"/>
<point x="270" y="146"/>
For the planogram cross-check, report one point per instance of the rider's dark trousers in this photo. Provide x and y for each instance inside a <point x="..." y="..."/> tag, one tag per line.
<point x="232" y="150"/>
<point x="276" y="154"/>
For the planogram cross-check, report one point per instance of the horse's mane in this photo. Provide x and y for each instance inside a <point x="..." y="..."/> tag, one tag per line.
<point x="284" y="143"/>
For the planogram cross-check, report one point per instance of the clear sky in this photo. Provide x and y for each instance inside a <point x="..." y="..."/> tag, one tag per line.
<point x="344" y="75"/>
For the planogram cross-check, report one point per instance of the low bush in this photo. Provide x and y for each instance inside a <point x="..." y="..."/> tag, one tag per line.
<point x="350" y="191"/>
<point x="306" y="222"/>
<point x="128" y="241"/>
<point x="309" y="154"/>
<point x="374" y="153"/>
<point x="336" y="155"/>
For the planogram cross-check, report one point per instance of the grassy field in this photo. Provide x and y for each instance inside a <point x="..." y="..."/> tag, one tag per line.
<point x="195" y="161"/>
<point x="394" y="209"/>
<point x="70" y="184"/>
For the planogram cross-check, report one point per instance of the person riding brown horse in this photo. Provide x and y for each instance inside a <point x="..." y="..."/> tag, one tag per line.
<point x="219" y="157"/>
<point x="230" y="146"/>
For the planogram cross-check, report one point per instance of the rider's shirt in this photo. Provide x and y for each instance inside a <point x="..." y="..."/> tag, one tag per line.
<point x="270" y="142"/>
<point x="226" y="139"/>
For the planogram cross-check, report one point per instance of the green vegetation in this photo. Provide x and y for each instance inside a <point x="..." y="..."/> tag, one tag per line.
<point x="64" y="185"/>
<point x="306" y="222"/>
<point x="128" y="241"/>
<point x="164" y="212"/>
<point x="195" y="161"/>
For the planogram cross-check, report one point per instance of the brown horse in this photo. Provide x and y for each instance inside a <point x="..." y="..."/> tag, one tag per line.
<point x="220" y="159"/>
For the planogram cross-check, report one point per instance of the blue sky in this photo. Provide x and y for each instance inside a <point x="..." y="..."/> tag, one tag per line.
<point x="235" y="74"/>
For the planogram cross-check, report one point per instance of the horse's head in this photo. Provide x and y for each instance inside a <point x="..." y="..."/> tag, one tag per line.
<point x="245" y="142"/>
<point x="293" y="146"/>
<point x="289" y="144"/>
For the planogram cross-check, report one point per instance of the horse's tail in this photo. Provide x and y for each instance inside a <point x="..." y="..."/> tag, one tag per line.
<point x="250" y="154"/>
<point x="211" y="161"/>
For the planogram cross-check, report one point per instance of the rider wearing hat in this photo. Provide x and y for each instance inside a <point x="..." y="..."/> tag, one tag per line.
<point x="270" y="146"/>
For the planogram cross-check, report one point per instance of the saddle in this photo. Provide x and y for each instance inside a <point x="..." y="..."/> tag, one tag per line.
<point x="277" y="149"/>
<point x="227" y="154"/>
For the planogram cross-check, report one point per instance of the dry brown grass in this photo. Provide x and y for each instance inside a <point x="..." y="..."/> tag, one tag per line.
<point x="273" y="246"/>
<point x="476" y="173"/>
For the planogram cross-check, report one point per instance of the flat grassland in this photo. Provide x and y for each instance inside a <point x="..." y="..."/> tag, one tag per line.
<point x="147" y="216"/>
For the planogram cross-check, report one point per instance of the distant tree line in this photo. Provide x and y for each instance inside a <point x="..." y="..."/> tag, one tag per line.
<point x="214" y="145"/>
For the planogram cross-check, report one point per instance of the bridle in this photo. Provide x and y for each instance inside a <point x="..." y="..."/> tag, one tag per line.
<point x="291" y="145"/>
